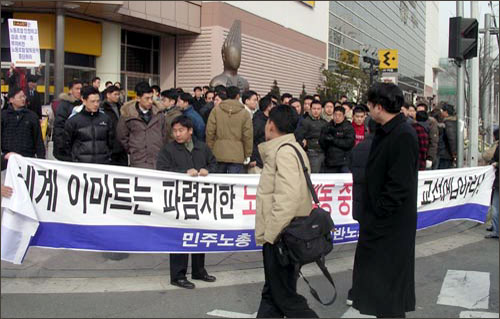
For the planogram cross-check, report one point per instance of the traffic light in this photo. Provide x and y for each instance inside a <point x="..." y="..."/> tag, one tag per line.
<point x="463" y="35"/>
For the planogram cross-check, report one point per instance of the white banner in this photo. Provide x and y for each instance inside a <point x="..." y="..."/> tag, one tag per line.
<point x="24" y="44"/>
<point x="123" y="209"/>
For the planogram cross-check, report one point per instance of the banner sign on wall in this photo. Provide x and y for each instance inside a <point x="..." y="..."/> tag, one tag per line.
<point x="24" y="44"/>
<point x="123" y="209"/>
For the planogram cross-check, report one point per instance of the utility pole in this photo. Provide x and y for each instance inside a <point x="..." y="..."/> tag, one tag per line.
<point x="472" y="157"/>
<point x="59" y="53"/>
<point x="485" y="99"/>
<point x="460" y="99"/>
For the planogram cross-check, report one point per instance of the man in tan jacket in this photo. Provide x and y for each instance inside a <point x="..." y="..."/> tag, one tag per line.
<point x="282" y="194"/>
<point x="230" y="134"/>
<point x="141" y="128"/>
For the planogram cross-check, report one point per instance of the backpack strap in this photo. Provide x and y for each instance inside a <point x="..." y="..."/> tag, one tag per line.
<point x="306" y="172"/>
<point x="321" y="264"/>
<point x="321" y="261"/>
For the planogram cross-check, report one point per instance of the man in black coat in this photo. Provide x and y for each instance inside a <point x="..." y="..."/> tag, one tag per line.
<point x="67" y="101"/>
<point x="33" y="98"/>
<point x="337" y="139"/>
<point x="308" y="134"/>
<point x="259" y="121"/>
<point x="111" y="107"/>
<point x="21" y="131"/>
<point x="357" y="165"/>
<point x="384" y="263"/>
<point x="448" y="154"/>
<point x="89" y="135"/>
<point x="186" y="155"/>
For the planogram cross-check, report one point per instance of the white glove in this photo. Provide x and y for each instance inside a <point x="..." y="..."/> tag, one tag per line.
<point x="247" y="160"/>
<point x="428" y="164"/>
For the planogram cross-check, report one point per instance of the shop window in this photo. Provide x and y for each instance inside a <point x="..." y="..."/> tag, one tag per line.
<point x="76" y="59"/>
<point x="140" y="60"/>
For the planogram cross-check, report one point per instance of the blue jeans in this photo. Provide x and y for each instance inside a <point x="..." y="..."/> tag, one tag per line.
<point x="229" y="168"/>
<point x="494" y="215"/>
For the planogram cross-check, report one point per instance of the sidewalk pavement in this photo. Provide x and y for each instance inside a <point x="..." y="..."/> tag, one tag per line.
<point x="62" y="263"/>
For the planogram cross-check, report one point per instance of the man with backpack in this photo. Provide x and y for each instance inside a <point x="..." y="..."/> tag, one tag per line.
<point x="282" y="195"/>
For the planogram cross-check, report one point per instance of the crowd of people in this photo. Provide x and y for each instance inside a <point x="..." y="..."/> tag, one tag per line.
<point x="328" y="130"/>
<point x="223" y="130"/>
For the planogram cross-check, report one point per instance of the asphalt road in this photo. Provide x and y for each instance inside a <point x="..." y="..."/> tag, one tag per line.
<point x="243" y="299"/>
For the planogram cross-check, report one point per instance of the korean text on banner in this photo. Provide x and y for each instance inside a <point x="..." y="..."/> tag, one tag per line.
<point x="121" y="209"/>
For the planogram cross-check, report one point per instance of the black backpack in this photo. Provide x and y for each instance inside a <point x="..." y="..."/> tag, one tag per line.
<point x="308" y="239"/>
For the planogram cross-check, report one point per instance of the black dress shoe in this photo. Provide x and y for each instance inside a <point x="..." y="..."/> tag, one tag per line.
<point x="491" y="236"/>
<point x="206" y="278"/>
<point x="489" y="228"/>
<point x="183" y="283"/>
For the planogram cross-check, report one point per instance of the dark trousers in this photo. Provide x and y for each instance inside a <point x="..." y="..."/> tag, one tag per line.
<point x="316" y="159"/>
<point x="229" y="168"/>
<point x="179" y="264"/>
<point x="445" y="163"/>
<point x="279" y="295"/>
<point x="335" y="169"/>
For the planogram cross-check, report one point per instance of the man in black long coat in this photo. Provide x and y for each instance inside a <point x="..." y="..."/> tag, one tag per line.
<point x="384" y="264"/>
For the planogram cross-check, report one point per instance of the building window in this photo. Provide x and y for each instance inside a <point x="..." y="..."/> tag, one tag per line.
<point x="139" y="59"/>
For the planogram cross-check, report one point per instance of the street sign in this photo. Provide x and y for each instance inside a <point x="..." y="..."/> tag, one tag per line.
<point x="388" y="60"/>
<point x="24" y="44"/>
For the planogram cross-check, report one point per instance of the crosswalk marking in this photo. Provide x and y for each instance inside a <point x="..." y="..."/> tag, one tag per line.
<point x="478" y="314"/>
<point x="353" y="313"/>
<point x="466" y="289"/>
<point x="230" y="314"/>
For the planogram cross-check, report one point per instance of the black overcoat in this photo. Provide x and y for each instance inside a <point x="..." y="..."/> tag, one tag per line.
<point x="384" y="264"/>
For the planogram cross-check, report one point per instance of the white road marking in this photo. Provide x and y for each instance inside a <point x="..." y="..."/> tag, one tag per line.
<point x="478" y="314"/>
<point x="230" y="314"/>
<point x="224" y="278"/>
<point x="353" y="313"/>
<point x="466" y="289"/>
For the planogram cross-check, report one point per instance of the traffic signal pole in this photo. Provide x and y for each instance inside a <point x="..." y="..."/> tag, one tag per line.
<point x="460" y="99"/>
<point x="472" y="157"/>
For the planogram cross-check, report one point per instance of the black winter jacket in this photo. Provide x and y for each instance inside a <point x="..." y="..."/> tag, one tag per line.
<point x="495" y="160"/>
<point x="198" y="104"/>
<point x="449" y="138"/>
<point x="89" y="137"/>
<point x="337" y="140"/>
<point x="259" y="136"/>
<point x="357" y="165"/>
<point x="118" y="154"/>
<point x="64" y="109"/>
<point x="21" y="133"/>
<point x="205" y="111"/>
<point x="175" y="157"/>
<point x="310" y="130"/>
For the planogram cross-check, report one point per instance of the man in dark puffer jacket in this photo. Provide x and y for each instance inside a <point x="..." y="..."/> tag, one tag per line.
<point x="66" y="103"/>
<point x="337" y="139"/>
<point x="111" y="107"/>
<point x="89" y="134"/>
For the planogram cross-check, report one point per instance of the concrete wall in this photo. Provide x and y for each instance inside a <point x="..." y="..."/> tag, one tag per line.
<point x="270" y="51"/>
<point x="108" y="64"/>
<point x="294" y="15"/>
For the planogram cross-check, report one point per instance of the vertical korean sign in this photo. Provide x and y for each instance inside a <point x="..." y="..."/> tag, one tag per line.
<point x="24" y="44"/>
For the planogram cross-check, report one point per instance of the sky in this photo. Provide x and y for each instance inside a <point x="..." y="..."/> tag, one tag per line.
<point x="447" y="9"/>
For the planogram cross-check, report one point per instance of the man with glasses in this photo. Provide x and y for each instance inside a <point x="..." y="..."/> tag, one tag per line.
<point x="21" y="131"/>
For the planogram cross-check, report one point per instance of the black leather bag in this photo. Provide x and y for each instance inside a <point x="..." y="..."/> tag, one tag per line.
<point x="308" y="239"/>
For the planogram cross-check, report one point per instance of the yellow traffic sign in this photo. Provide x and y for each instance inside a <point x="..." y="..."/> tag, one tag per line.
<point x="388" y="60"/>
